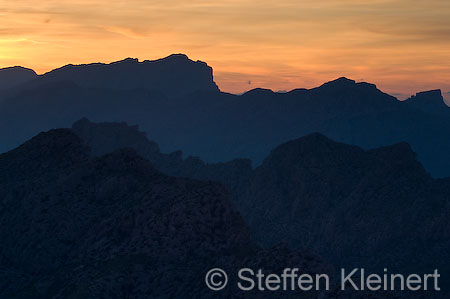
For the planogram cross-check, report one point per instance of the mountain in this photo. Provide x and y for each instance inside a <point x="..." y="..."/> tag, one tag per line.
<point x="14" y="76"/>
<point x="222" y="127"/>
<point x="175" y="75"/>
<point x="357" y="208"/>
<point x="370" y="208"/>
<point x="74" y="226"/>
<point x="430" y="101"/>
<point x="104" y="138"/>
<point x="218" y="126"/>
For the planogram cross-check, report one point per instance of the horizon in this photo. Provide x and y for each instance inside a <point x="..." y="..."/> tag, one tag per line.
<point x="400" y="46"/>
<point x="401" y="97"/>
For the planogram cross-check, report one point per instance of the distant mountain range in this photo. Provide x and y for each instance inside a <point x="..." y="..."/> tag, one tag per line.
<point x="177" y="102"/>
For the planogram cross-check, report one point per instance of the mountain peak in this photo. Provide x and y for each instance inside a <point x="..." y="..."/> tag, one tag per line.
<point x="14" y="76"/>
<point x="258" y="92"/>
<point x="434" y="92"/>
<point x="16" y="69"/>
<point x="356" y="97"/>
<point x="312" y="144"/>
<point x="55" y="142"/>
<point x="344" y="82"/>
<point x="314" y="138"/>
<point x="177" y="56"/>
<point x="430" y="101"/>
<point x="429" y="95"/>
<point x="47" y="151"/>
<point x="340" y="82"/>
<point x="318" y="150"/>
<point x="311" y="149"/>
<point x="126" y="60"/>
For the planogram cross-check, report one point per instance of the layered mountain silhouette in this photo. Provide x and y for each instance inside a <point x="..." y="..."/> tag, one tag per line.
<point x="357" y="208"/>
<point x="102" y="211"/>
<point x="177" y="101"/>
<point x="84" y="215"/>
<point x="74" y="226"/>
<point x="105" y="138"/>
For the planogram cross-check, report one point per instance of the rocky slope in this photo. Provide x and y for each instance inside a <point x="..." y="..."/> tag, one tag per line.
<point x="73" y="226"/>
<point x="358" y="208"/>
<point x="373" y="208"/>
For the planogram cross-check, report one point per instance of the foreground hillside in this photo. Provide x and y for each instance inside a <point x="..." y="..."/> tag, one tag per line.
<point x="377" y="208"/>
<point x="373" y="208"/>
<point x="73" y="226"/>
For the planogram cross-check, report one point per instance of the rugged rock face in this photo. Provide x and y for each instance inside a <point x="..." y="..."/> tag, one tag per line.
<point x="14" y="76"/>
<point x="175" y="75"/>
<point x="73" y="226"/>
<point x="377" y="208"/>
<point x="429" y="101"/>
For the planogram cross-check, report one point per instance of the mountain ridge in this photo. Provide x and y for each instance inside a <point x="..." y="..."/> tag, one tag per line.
<point x="174" y="75"/>
<point x="217" y="126"/>
<point x="180" y="57"/>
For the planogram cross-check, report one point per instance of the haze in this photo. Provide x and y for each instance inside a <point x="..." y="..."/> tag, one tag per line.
<point x="402" y="45"/>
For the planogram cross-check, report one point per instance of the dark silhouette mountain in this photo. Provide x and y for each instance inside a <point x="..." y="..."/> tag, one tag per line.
<point x="374" y="208"/>
<point x="14" y="76"/>
<point x="178" y="102"/>
<point x="73" y="226"/>
<point x="430" y="101"/>
<point x="104" y="138"/>
<point x="175" y="75"/>
<point x="223" y="127"/>
<point x="357" y="208"/>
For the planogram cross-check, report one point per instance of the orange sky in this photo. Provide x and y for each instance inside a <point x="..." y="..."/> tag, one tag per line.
<point x="401" y="45"/>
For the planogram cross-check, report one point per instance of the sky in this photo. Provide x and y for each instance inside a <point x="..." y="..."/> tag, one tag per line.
<point x="403" y="46"/>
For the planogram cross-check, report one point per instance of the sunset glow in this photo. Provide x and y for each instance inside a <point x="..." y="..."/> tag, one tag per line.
<point x="403" y="46"/>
